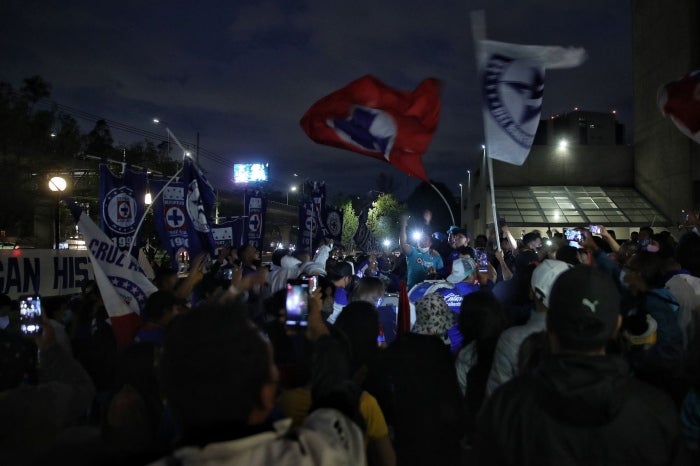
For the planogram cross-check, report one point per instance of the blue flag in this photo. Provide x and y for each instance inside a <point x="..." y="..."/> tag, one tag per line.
<point x="255" y="209"/>
<point x="182" y="213"/>
<point x="229" y="233"/>
<point x="121" y="205"/>
<point x="334" y="223"/>
<point x="308" y="226"/>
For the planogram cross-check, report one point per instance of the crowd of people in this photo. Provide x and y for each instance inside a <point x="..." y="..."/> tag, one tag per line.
<point x="451" y="349"/>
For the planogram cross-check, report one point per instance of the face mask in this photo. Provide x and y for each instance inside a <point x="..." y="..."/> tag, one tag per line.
<point x="424" y="250"/>
<point x="4" y="322"/>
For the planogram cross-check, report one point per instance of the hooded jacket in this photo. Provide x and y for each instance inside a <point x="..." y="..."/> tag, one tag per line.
<point x="583" y="410"/>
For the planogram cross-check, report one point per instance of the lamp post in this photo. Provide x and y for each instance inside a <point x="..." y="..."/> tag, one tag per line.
<point x="461" y="205"/>
<point x="292" y="188"/>
<point x="57" y="185"/>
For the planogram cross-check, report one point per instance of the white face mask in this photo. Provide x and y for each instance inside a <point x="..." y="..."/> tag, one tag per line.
<point x="424" y="250"/>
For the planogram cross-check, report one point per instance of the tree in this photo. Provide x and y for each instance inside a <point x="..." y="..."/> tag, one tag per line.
<point x="384" y="217"/>
<point x="349" y="224"/>
<point x="99" y="141"/>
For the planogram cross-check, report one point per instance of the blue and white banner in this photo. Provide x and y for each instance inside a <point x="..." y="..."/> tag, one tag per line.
<point x="121" y="205"/>
<point x="182" y="213"/>
<point x="334" y="223"/>
<point x="229" y="233"/>
<point x="123" y="286"/>
<point x="512" y="85"/>
<point x="255" y="210"/>
<point x="316" y="190"/>
<point x="308" y="226"/>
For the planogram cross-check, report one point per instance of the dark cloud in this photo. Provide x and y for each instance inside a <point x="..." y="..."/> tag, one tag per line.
<point x="242" y="73"/>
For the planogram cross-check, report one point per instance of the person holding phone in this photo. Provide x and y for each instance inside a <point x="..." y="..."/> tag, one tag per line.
<point x="420" y="260"/>
<point x="32" y="415"/>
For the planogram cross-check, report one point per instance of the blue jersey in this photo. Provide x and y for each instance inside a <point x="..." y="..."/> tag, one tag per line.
<point x="453" y="296"/>
<point x="418" y="263"/>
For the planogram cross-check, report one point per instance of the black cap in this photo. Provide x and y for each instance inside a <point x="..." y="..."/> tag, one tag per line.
<point x="584" y="306"/>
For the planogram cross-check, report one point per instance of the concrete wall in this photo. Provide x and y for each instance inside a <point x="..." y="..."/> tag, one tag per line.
<point x="666" y="46"/>
<point x="574" y="166"/>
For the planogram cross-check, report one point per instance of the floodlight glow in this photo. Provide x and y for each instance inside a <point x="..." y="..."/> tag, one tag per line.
<point x="387" y="243"/>
<point x="416" y="235"/>
<point x="148" y="199"/>
<point x="57" y="184"/>
<point x="563" y="144"/>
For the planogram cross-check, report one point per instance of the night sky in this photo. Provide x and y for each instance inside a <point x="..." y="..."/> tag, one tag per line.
<point x="243" y="73"/>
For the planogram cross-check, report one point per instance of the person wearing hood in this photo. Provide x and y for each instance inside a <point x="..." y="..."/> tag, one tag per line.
<point x="581" y="406"/>
<point x="421" y="260"/>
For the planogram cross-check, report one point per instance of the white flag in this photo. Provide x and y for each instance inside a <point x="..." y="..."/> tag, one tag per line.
<point x="124" y="288"/>
<point x="512" y="84"/>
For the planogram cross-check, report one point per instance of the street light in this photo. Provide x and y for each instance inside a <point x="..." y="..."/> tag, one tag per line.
<point x="461" y="205"/>
<point x="292" y="188"/>
<point x="57" y="185"/>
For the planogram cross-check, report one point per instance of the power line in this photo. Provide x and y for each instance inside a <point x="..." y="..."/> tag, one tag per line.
<point x="123" y="127"/>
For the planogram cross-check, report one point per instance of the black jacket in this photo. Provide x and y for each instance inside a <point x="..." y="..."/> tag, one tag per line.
<point x="583" y="410"/>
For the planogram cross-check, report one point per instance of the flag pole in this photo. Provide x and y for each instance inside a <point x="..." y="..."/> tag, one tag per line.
<point x="489" y="160"/>
<point x="449" y="209"/>
<point x="478" y="23"/>
<point x="149" y="207"/>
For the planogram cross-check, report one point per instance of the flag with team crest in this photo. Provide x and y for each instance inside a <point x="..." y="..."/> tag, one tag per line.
<point x="123" y="286"/>
<point x="229" y="233"/>
<point x="182" y="213"/>
<point x="317" y="194"/>
<point x="334" y="223"/>
<point x="512" y="85"/>
<point x="255" y="207"/>
<point x="375" y="120"/>
<point x="122" y="205"/>
<point x="308" y="226"/>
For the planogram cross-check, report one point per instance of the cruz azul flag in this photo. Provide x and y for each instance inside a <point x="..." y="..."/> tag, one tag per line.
<point x="317" y="190"/>
<point x="681" y="101"/>
<point x="308" y="226"/>
<point x="123" y="286"/>
<point x="512" y="85"/>
<point x="255" y="207"/>
<point x="182" y="213"/>
<point x="363" y="238"/>
<point x="121" y="204"/>
<point x="229" y="233"/>
<point x="370" y="118"/>
<point x="334" y="223"/>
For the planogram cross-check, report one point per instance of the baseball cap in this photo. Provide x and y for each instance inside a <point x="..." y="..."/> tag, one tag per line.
<point x="461" y="269"/>
<point x="584" y="306"/>
<point x="525" y="258"/>
<point x="460" y="231"/>
<point x="544" y="276"/>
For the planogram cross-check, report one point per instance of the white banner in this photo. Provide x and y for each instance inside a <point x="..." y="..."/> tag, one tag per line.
<point x="47" y="272"/>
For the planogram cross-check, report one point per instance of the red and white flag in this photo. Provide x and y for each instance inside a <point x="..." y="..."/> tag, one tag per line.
<point x="123" y="286"/>
<point x="373" y="119"/>
<point x="680" y="100"/>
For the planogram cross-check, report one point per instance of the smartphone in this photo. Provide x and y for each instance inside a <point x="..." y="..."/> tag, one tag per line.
<point x="482" y="260"/>
<point x="313" y="284"/>
<point x="297" y="302"/>
<point x="596" y="229"/>
<point x="30" y="315"/>
<point x="228" y="274"/>
<point x="573" y="235"/>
